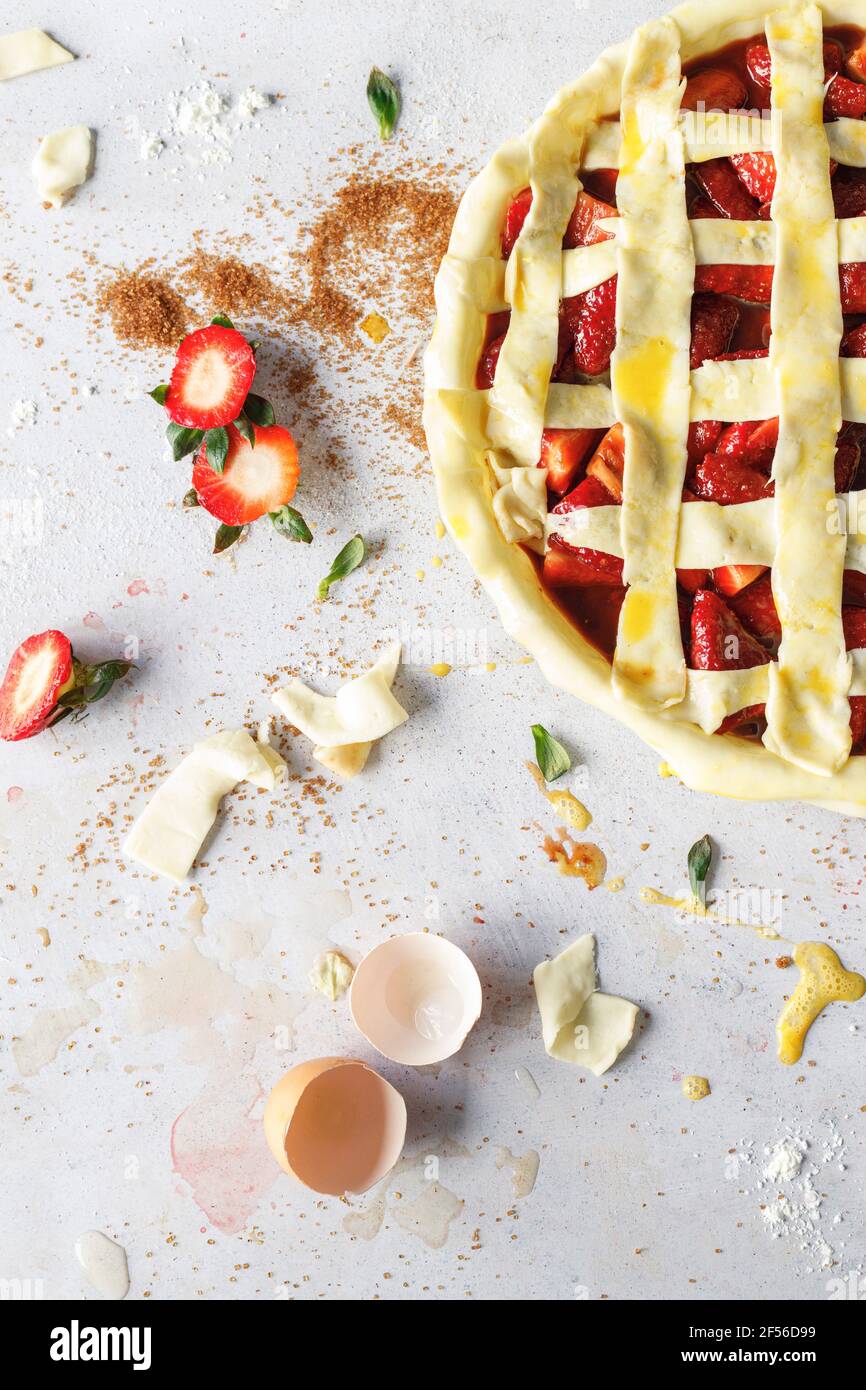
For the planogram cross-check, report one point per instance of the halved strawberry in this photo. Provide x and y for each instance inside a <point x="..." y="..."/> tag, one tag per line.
<point x="701" y="206"/>
<point x="758" y="174"/>
<point x="751" y="282"/>
<point x="581" y="568"/>
<point x="39" y="672"/>
<point x="713" y="323"/>
<point x="563" y="453"/>
<point x="759" y="64"/>
<point x="607" y="465"/>
<point x="748" y="722"/>
<point x="591" y="317"/>
<point x="845" y="98"/>
<point x="725" y="479"/>
<point x="724" y="189"/>
<point x="719" y="642"/>
<point x="211" y="378"/>
<point x="703" y="437"/>
<point x="515" y="216"/>
<point x="692" y="580"/>
<point x="852" y="283"/>
<point x="756" y="609"/>
<point x="583" y="228"/>
<point x="253" y="481"/>
<point x="713" y="89"/>
<point x="730" y="579"/>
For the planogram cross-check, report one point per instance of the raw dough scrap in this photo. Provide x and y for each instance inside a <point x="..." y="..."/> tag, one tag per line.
<point x="344" y="726"/>
<point x="62" y="163"/>
<point x="172" y="827"/>
<point x="30" y="50"/>
<point x="579" y="1024"/>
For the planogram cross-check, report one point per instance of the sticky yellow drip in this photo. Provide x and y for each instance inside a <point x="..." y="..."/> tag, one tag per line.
<point x="576" y="860"/>
<point x="567" y="806"/>
<point x="695" y="1087"/>
<point x="440" y="668"/>
<point x="695" y="908"/>
<point x="823" y="979"/>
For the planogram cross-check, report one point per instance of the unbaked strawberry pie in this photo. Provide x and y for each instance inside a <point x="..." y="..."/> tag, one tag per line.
<point x="646" y="393"/>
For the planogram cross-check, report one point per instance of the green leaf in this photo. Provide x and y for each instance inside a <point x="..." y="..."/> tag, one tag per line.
<point x="216" y="443"/>
<point x="348" y="559"/>
<point x="255" y="344"/>
<point x="92" y="683"/>
<point x="700" y="858"/>
<point x="226" y="536"/>
<point x="384" y="102"/>
<point x="549" y="754"/>
<point x="190" y="500"/>
<point x="223" y="321"/>
<point x="245" y="428"/>
<point x="159" y="393"/>
<point x="260" y="411"/>
<point x="290" y="524"/>
<point x="182" y="440"/>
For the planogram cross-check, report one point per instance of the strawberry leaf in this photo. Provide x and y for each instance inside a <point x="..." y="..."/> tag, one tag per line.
<point x="260" y="411"/>
<point x="223" y="321"/>
<point x="384" y="102"/>
<point x="226" y="536"/>
<point x="549" y="754"/>
<point x="190" y="500"/>
<point x="348" y="559"/>
<point x="700" y="858"/>
<point x="159" y="393"/>
<point x="244" y="427"/>
<point x="92" y="683"/>
<point x="289" y="523"/>
<point x="182" y="440"/>
<point x="216" y="443"/>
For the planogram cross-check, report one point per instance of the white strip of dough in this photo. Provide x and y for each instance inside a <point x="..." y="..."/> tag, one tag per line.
<point x="31" y="50"/>
<point x="520" y="501"/>
<point x="650" y="367"/>
<point x="174" y="824"/>
<point x="579" y="1024"/>
<point x="345" y="725"/>
<point x="714" y="134"/>
<point x="807" y="702"/>
<point x="62" y="163"/>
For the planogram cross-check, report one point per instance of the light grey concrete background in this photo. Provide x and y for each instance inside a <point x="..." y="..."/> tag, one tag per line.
<point x="445" y="821"/>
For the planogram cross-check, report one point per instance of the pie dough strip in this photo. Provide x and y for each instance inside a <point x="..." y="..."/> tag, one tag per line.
<point x="720" y="133"/>
<point x="30" y="50"/>
<point x="650" y="369"/>
<point x="807" y="704"/>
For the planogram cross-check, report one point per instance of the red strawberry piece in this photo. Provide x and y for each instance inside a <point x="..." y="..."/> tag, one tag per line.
<point x="758" y="174"/>
<point x="588" y="493"/>
<point x="854" y="343"/>
<point x="765" y="212"/>
<point x="858" y="722"/>
<point x="607" y="464"/>
<point x="854" y="627"/>
<point x="703" y="436"/>
<point x="752" y="442"/>
<point x="713" y="89"/>
<point x="563" y="453"/>
<point x="854" y="588"/>
<point x="756" y="609"/>
<point x="591" y="317"/>
<point x="724" y="189"/>
<point x="846" y="464"/>
<point x="578" y="567"/>
<point x="855" y="63"/>
<point x="849" y="191"/>
<point x="759" y="64"/>
<point x="515" y="216"/>
<point x="497" y="326"/>
<point x="719" y="642"/>
<point x="702" y="207"/>
<point x="726" y="480"/>
<point x="692" y="580"/>
<point x="601" y="183"/>
<point x="39" y="672"/>
<point x="253" y="481"/>
<point x="747" y="723"/>
<point x="713" y="323"/>
<point x="583" y="228"/>
<point x="731" y="579"/>
<point x="211" y="378"/>
<point x="845" y="98"/>
<point x="852" y="284"/>
<point x="765" y="434"/>
<point x="750" y="282"/>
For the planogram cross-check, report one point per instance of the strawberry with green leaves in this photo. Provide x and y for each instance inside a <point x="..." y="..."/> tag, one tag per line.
<point x="45" y="683"/>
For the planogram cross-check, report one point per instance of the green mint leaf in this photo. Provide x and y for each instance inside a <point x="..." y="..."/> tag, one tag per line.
<point x="159" y="393"/>
<point x="260" y="411"/>
<point x="384" y="102"/>
<point x="223" y="321"/>
<point x="700" y="858"/>
<point x="226" y="536"/>
<point x="348" y="559"/>
<point x="549" y="754"/>
<point x="289" y="523"/>
<point x="216" y="443"/>
<point x="245" y="427"/>
<point x="182" y="440"/>
<point x="190" y="500"/>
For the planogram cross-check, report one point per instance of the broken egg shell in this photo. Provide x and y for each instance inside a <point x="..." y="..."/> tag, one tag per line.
<point x="415" y="998"/>
<point x="335" y="1125"/>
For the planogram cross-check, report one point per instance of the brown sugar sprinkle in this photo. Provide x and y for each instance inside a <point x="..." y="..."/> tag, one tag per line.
<point x="224" y="282"/>
<point x="145" y="310"/>
<point x="784" y="961"/>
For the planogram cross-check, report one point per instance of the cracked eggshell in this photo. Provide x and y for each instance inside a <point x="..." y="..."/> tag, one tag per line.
<point x="415" y="998"/>
<point x="335" y="1125"/>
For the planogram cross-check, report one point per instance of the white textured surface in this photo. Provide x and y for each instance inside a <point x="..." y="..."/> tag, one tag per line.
<point x="445" y="817"/>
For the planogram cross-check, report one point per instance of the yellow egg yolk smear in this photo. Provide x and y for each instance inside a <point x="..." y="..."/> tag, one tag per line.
<point x="823" y="979"/>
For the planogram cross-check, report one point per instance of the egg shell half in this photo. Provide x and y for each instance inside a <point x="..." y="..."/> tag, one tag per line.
<point x="415" y="998"/>
<point x="335" y="1125"/>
